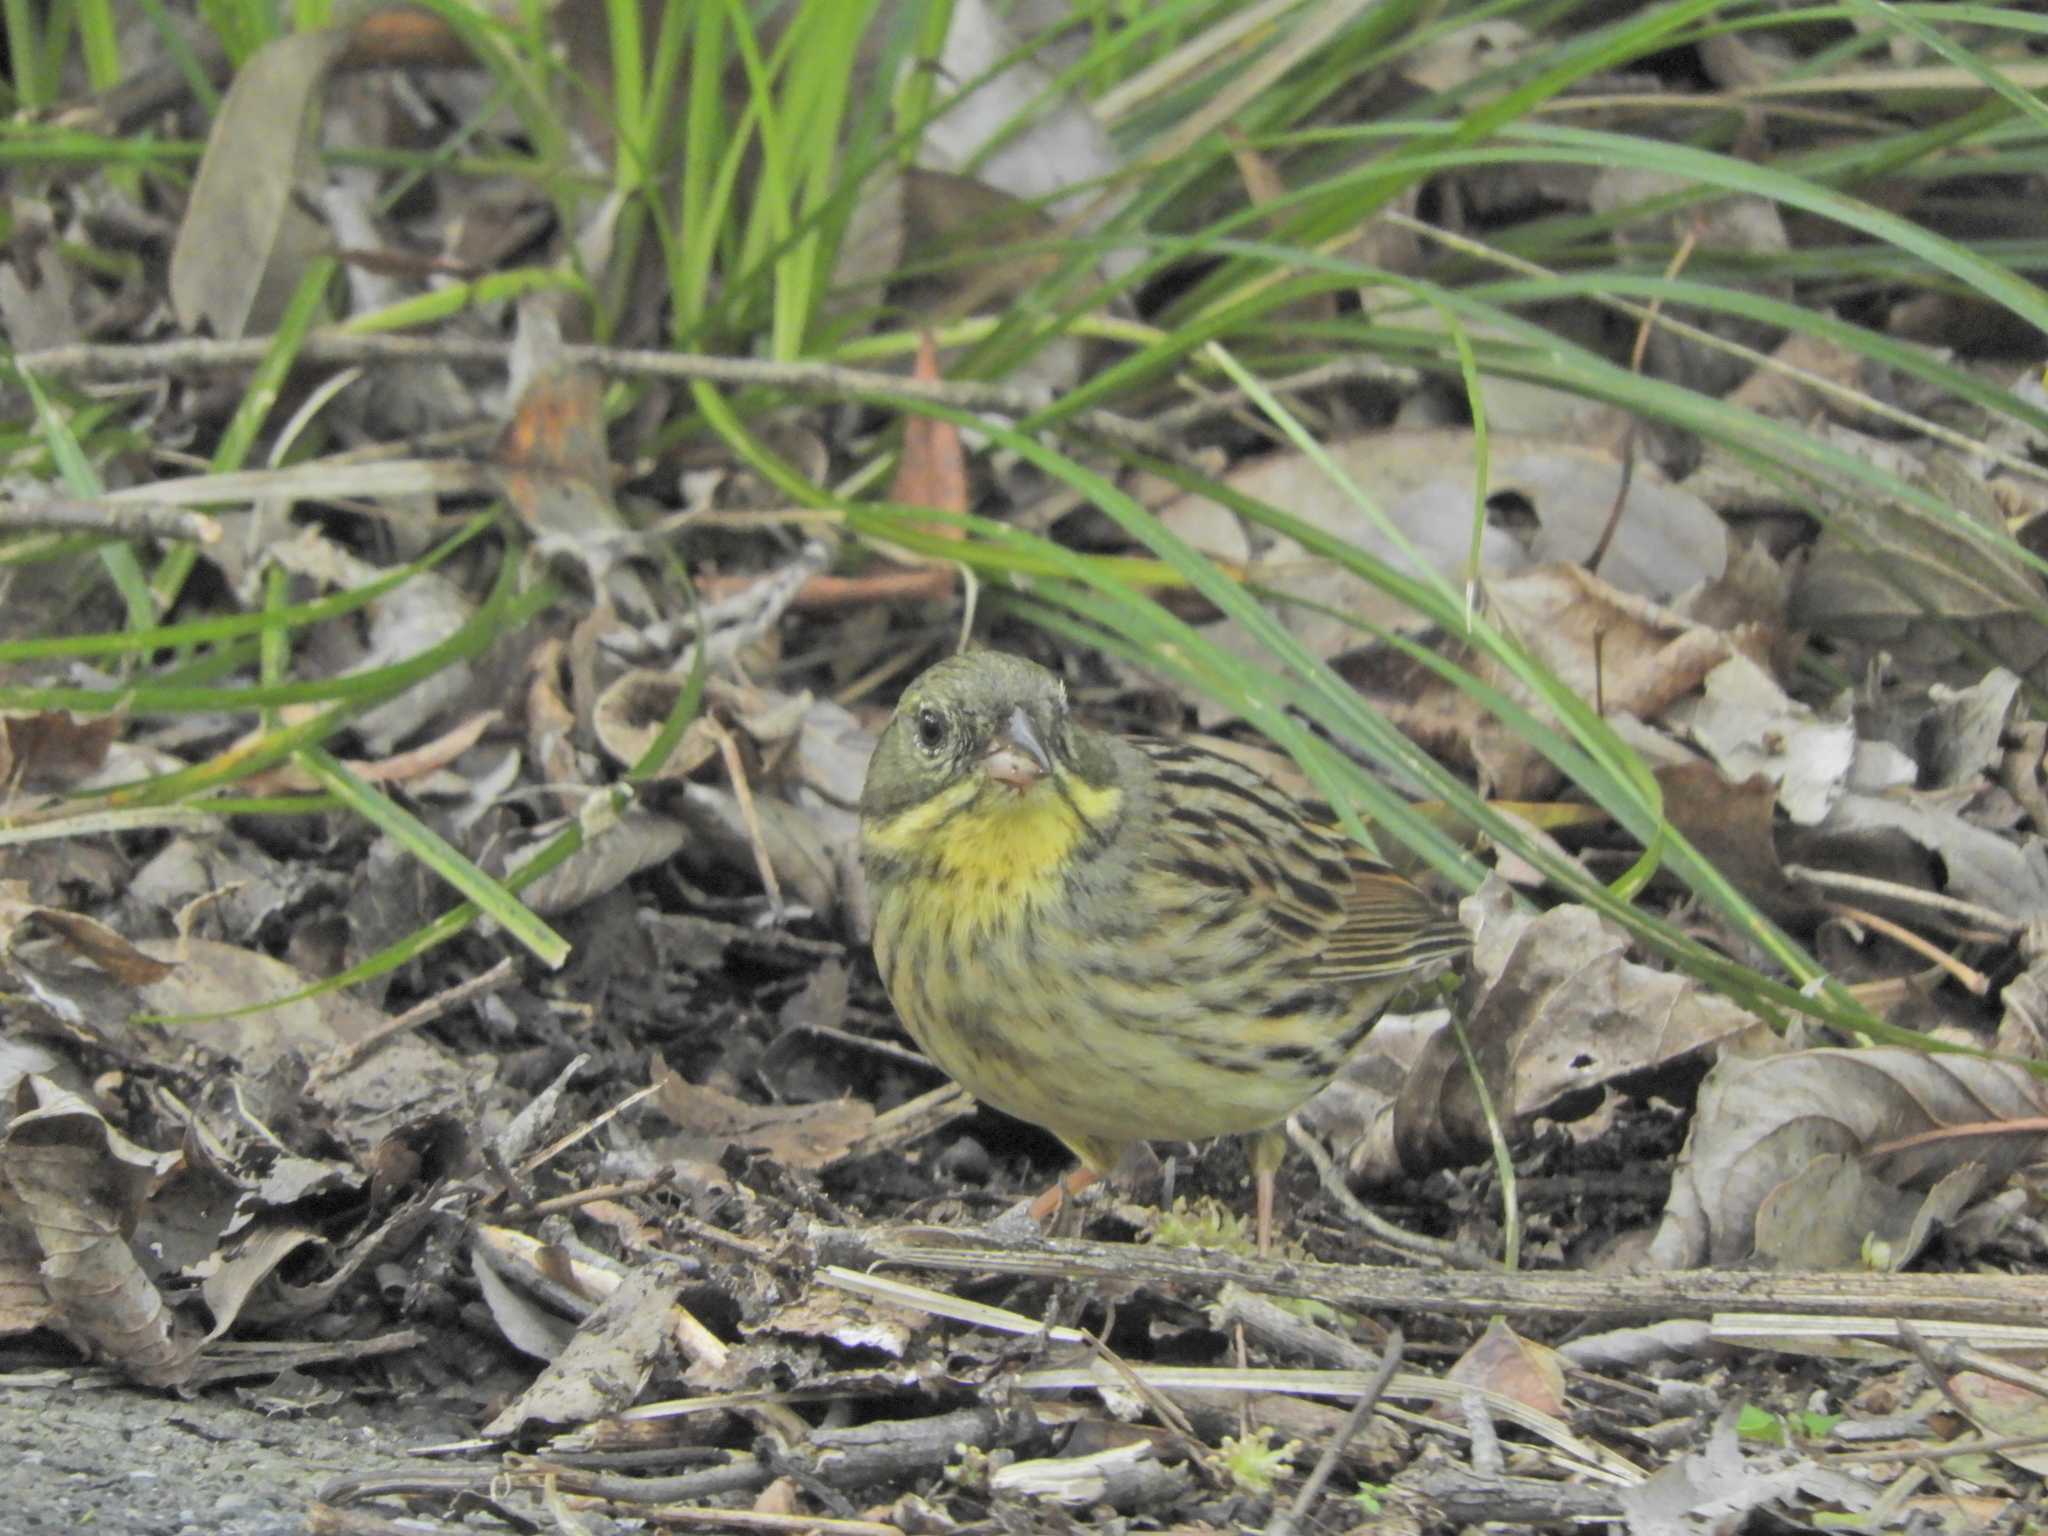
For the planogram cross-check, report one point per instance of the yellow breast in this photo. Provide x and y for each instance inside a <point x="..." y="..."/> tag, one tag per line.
<point x="989" y="852"/>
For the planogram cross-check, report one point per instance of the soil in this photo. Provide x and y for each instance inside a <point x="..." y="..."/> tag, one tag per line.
<point x="136" y="1463"/>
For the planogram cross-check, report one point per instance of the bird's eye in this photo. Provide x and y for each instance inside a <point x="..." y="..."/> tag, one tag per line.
<point x="931" y="729"/>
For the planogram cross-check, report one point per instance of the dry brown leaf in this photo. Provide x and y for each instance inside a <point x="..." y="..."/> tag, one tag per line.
<point x="1731" y="825"/>
<point x="419" y="613"/>
<point x="246" y="240"/>
<point x="1881" y="568"/>
<point x="405" y="1079"/>
<point x="632" y="711"/>
<point x="53" y="749"/>
<point x="554" y="464"/>
<point x="839" y="1317"/>
<point x="939" y="241"/>
<point x="607" y="1361"/>
<point x="1554" y="1012"/>
<point x="1747" y="724"/>
<point x="634" y="839"/>
<point x="1501" y="1360"/>
<point x="233" y="1279"/>
<point x="1630" y="656"/>
<point x="74" y="1187"/>
<point x="1836" y="1214"/>
<point x="932" y="470"/>
<point x="2006" y="1411"/>
<point x="79" y="972"/>
<point x="1924" y="840"/>
<point x="24" y="1304"/>
<point x="1713" y="1490"/>
<point x="1450" y="60"/>
<point x="797" y="1135"/>
<point x="1763" y="1121"/>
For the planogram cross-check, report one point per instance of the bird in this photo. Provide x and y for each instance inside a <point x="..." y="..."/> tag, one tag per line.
<point x="1122" y="938"/>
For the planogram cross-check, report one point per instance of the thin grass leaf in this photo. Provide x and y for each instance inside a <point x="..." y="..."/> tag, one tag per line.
<point x="489" y="898"/>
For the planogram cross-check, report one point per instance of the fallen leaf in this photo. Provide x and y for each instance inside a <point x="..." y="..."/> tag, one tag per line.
<point x="1761" y="1121"/>
<point x="797" y="1135"/>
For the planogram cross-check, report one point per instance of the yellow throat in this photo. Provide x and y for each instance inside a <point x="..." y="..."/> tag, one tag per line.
<point x="985" y="842"/>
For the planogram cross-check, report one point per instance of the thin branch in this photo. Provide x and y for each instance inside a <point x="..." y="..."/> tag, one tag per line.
<point x="827" y="380"/>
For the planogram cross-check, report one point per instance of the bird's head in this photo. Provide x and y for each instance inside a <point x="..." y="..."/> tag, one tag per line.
<point x="977" y="728"/>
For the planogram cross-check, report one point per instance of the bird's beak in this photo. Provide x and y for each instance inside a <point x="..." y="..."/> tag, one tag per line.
<point x="1015" y="755"/>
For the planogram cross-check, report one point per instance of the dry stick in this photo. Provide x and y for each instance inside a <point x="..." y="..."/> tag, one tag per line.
<point x="824" y="379"/>
<point x="1179" y="418"/>
<point x="563" y="1143"/>
<point x="743" y="796"/>
<point x="1164" y="1408"/>
<point x="341" y="1060"/>
<point x="122" y="522"/>
<point x="2018" y="1299"/>
<point x="1429" y="1250"/>
<point x="761" y="1520"/>
<point x="922" y="584"/>
<point x="875" y="676"/>
<point x="232" y="1362"/>
<point x="1978" y="984"/>
<point x="1965" y="1445"/>
<point x="704" y="1231"/>
<point x="1947" y="1356"/>
<point x="853" y="1457"/>
<point x="1284" y="1333"/>
<point x="1635" y="365"/>
<point x="1286" y="1524"/>
<point x="595" y="1193"/>
<point x="1932" y="1366"/>
<point x="909" y="1121"/>
<point x="1462" y="1498"/>
<point x="1908" y="895"/>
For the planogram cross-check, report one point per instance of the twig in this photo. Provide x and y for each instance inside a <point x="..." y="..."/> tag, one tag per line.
<point x="909" y="1121"/>
<point x="743" y="797"/>
<point x="826" y="380"/>
<point x="1940" y="1358"/>
<point x="1348" y="370"/>
<point x="1414" y="1245"/>
<point x="1973" y="1298"/>
<point x="929" y="583"/>
<point x="597" y="1192"/>
<point x="855" y="1457"/>
<point x="762" y="1520"/>
<point x="1287" y="1523"/>
<point x="1163" y="1407"/>
<point x="1966" y="1445"/>
<point x="346" y="1057"/>
<point x="1937" y="1373"/>
<point x="556" y="1148"/>
<point x="1975" y="981"/>
<point x="1279" y="1329"/>
<point x="123" y="522"/>
<point x="241" y="1362"/>
<point x="1907" y="895"/>
<point x="1635" y="366"/>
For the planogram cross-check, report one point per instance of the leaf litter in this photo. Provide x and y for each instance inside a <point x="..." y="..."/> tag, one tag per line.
<point x="684" y="1227"/>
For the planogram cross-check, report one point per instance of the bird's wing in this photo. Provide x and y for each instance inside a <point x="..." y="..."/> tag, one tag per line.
<point x="1349" y="917"/>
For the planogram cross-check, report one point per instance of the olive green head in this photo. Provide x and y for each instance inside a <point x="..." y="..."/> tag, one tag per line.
<point x="998" y="719"/>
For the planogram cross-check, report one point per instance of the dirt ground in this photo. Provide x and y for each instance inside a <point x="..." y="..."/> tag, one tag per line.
<point x="133" y="1463"/>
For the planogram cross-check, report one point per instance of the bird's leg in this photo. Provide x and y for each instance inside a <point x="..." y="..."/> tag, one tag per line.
<point x="1098" y="1160"/>
<point x="1268" y="1148"/>
<point x="1047" y="1205"/>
